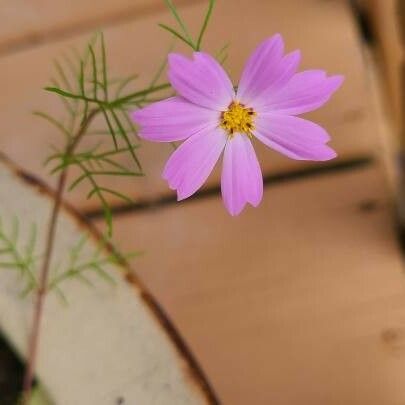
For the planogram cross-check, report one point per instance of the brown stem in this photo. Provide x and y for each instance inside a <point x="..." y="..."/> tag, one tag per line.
<point x="43" y="277"/>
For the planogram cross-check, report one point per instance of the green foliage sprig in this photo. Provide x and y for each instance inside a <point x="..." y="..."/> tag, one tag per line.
<point x="196" y="43"/>
<point x="88" y="93"/>
<point x="80" y="266"/>
<point x="20" y="254"/>
<point x="15" y="257"/>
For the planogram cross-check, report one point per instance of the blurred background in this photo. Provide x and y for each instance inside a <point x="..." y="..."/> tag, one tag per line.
<point x="302" y="300"/>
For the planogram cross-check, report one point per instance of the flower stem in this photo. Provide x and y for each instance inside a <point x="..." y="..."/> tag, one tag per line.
<point x="44" y="274"/>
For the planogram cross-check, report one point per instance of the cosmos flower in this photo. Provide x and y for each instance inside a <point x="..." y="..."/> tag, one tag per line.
<point x="212" y="118"/>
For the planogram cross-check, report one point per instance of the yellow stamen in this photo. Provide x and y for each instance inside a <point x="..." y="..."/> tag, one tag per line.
<point x="238" y="119"/>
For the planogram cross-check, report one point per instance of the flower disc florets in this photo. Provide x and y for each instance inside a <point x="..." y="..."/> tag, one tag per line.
<point x="238" y="119"/>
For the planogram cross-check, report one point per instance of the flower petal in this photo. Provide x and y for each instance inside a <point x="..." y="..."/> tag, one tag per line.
<point x="241" y="180"/>
<point x="266" y="71"/>
<point x="192" y="162"/>
<point x="173" y="119"/>
<point x="294" y="137"/>
<point x="201" y="80"/>
<point x="306" y="91"/>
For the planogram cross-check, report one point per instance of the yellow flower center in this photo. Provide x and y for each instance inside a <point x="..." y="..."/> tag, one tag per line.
<point x="238" y="119"/>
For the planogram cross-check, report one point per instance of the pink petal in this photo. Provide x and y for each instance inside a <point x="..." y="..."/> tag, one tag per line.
<point x="173" y="119"/>
<point x="294" y="137"/>
<point x="266" y="71"/>
<point x="306" y="91"/>
<point x="201" y="80"/>
<point x="190" y="165"/>
<point x="241" y="180"/>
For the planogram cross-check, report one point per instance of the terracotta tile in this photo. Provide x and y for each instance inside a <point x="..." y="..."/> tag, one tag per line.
<point x="325" y="31"/>
<point x="301" y="301"/>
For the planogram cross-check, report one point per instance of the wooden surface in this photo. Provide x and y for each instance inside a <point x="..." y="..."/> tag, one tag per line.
<point x="385" y="22"/>
<point x="26" y="23"/>
<point x="301" y="301"/>
<point x="107" y="345"/>
<point x="324" y="31"/>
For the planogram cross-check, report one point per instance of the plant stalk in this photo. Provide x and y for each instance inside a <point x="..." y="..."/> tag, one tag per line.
<point x="44" y="274"/>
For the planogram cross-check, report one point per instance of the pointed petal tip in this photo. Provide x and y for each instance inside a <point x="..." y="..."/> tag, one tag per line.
<point x="174" y="59"/>
<point x="277" y="37"/>
<point x="234" y="212"/>
<point x="199" y="53"/>
<point x="332" y="154"/>
<point x="337" y="81"/>
<point x="175" y="55"/>
<point x="326" y="153"/>
<point x="135" y="115"/>
<point x="166" y="177"/>
<point x="255" y="204"/>
<point x="294" y="57"/>
<point x="181" y="197"/>
<point x="296" y="54"/>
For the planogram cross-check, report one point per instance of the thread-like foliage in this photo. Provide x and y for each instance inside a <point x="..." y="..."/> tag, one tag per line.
<point x="81" y="265"/>
<point x="84" y="87"/>
<point x="19" y="253"/>
<point x="183" y="35"/>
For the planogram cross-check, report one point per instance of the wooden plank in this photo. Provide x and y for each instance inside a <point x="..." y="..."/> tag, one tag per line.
<point x="301" y="301"/>
<point x="29" y="22"/>
<point x="385" y="22"/>
<point x="325" y="31"/>
<point x="109" y="344"/>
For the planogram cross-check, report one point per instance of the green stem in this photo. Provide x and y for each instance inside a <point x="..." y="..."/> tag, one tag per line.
<point x="44" y="274"/>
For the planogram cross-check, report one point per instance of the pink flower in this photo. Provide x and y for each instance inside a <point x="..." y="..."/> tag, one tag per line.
<point x="212" y="118"/>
